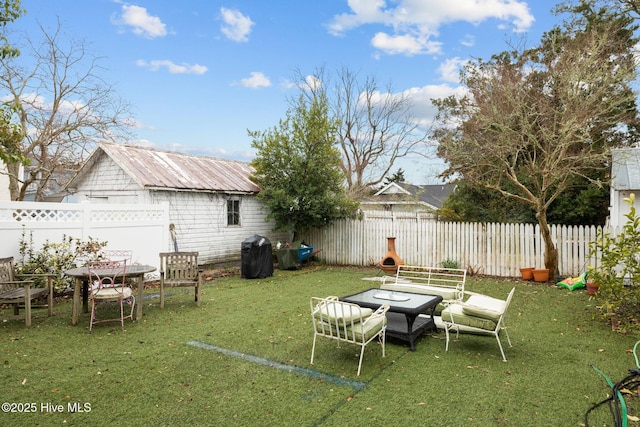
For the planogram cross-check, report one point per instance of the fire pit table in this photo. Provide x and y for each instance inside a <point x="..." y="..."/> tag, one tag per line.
<point x="404" y="307"/>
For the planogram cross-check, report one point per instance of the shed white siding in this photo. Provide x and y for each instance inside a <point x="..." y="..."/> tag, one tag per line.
<point x="200" y="217"/>
<point x="625" y="179"/>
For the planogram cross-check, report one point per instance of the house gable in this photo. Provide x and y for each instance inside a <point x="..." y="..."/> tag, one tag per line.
<point x="408" y="197"/>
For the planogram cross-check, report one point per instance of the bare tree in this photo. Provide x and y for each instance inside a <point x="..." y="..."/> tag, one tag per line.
<point x="534" y="120"/>
<point x="64" y="108"/>
<point x="377" y="126"/>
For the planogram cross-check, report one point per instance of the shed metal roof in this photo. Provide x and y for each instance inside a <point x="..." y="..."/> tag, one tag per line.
<point x="625" y="169"/>
<point x="155" y="169"/>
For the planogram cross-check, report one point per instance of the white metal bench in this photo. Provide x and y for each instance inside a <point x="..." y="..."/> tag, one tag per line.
<point x="447" y="282"/>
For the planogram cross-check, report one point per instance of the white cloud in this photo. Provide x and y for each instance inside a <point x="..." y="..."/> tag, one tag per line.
<point x="172" y="67"/>
<point x="468" y="40"/>
<point x="404" y="44"/>
<point x="423" y="109"/>
<point x="141" y="23"/>
<point x="236" y="26"/>
<point x="450" y="69"/>
<point x="256" y="80"/>
<point x="312" y="83"/>
<point x="416" y="23"/>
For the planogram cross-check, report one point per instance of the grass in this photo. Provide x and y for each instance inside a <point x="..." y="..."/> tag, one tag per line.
<point x="151" y="375"/>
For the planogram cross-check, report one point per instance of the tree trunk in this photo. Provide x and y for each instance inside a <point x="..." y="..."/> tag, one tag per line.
<point x="550" y="251"/>
<point x="14" y="186"/>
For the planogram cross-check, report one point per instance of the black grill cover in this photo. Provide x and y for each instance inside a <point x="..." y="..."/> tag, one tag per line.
<point x="257" y="258"/>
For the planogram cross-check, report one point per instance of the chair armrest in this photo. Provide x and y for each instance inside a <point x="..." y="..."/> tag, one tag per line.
<point x="16" y="282"/>
<point x="48" y="276"/>
<point x="38" y="275"/>
<point x="380" y="312"/>
<point x="391" y="279"/>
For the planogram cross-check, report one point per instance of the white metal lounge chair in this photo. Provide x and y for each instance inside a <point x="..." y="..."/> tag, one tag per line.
<point x="347" y="322"/>
<point x="480" y="314"/>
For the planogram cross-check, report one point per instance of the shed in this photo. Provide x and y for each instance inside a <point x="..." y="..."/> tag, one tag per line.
<point x="212" y="202"/>
<point x="625" y="179"/>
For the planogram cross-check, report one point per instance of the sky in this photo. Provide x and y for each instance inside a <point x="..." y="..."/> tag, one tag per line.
<point x="200" y="73"/>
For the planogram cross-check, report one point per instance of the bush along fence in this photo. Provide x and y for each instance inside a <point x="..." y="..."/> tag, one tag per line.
<point x="481" y="248"/>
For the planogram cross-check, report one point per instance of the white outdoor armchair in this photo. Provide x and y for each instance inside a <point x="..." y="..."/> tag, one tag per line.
<point x="347" y="322"/>
<point x="480" y="314"/>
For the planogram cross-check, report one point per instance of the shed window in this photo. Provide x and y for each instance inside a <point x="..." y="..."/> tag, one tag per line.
<point x="233" y="212"/>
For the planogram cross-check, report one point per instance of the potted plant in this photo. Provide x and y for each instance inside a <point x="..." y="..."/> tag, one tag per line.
<point x="527" y="273"/>
<point x="592" y="287"/>
<point x="541" y="275"/>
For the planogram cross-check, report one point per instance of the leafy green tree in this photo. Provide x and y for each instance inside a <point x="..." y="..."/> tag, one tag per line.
<point x="397" y="177"/>
<point x="532" y="120"/>
<point x="474" y="203"/>
<point x="297" y="167"/>
<point x="618" y="273"/>
<point x="583" y="204"/>
<point x="10" y="133"/>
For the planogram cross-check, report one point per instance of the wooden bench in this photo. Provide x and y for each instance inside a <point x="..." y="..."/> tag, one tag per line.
<point x="447" y="282"/>
<point x="16" y="291"/>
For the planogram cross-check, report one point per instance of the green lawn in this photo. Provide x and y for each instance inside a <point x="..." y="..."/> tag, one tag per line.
<point x="250" y="365"/>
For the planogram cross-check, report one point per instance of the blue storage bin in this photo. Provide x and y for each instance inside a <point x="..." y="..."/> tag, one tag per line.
<point x="304" y="253"/>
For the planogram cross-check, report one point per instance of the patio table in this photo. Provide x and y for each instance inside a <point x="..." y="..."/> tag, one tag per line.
<point x="81" y="284"/>
<point x="404" y="307"/>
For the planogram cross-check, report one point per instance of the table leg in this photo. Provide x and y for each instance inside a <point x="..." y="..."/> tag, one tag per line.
<point x="140" y="283"/>
<point x="50" y="296"/>
<point x="85" y="296"/>
<point x="77" y="283"/>
<point x="410" y="320"/>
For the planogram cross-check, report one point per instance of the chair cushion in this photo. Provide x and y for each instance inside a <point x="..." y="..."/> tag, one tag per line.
<point x="484" y="307"/>
<point x="341" y="313"/>
<point x="455" y="314"/>
<point x="365" y="331"/>
<point x="445" y="293"/>
<point x="113" y="293"/>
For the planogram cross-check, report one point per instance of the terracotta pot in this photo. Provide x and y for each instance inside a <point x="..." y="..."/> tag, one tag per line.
<point x="527" y="273"/>
<point x="592" y="288"/>
<point x="541" y="275"/>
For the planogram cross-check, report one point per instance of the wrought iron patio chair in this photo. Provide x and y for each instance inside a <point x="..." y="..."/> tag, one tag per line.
<point x="346" y="322"/>
<point x="21" y="293"/>
<point x="179" y="269"/>
<point x="107" y="281"/>
<point x="118" y="255"/>
<point x="481" y="315"/>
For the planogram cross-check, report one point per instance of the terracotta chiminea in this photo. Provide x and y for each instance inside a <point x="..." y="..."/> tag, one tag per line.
<point x="390" y="262"/>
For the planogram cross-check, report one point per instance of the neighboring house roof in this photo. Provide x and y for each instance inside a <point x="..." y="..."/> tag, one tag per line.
<point x="155" y="169"/>
<point x="625" y="169"/>
<point x="431" y="196"/>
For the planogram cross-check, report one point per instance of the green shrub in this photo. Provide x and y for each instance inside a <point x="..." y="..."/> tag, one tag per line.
<point x="56" y="257"/>
<point x="450" y="263"/>
<point x="618" y="273"/>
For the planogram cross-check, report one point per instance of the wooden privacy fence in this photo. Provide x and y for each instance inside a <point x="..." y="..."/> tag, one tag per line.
<point x="482" y="248"/>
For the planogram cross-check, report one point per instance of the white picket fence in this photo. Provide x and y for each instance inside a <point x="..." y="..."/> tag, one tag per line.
<point x="483" y="248"/>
